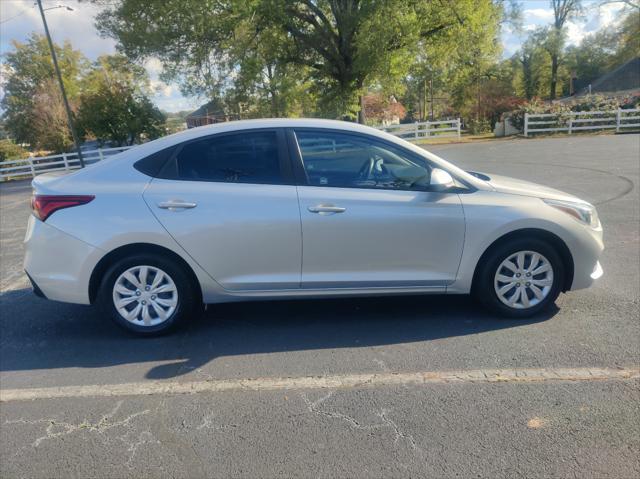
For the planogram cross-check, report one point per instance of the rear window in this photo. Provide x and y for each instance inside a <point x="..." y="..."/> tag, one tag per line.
<point x="247" y="157"/>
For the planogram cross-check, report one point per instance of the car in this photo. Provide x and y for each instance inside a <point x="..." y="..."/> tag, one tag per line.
<point x="298" y="208"/>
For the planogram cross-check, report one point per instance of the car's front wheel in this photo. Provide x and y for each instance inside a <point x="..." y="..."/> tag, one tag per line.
<point x="147" y="294"/>
<point x="520" y="278"/>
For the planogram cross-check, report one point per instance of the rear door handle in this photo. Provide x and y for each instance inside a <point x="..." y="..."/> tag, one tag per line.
<point x="173" y="205"/>
<point x="326" y="209"/>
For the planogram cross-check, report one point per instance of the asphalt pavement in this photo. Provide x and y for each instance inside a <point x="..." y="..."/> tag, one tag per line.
<point x="464" y="428"/>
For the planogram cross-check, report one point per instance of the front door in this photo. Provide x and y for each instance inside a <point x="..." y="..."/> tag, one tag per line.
<point x="364" y="227"/>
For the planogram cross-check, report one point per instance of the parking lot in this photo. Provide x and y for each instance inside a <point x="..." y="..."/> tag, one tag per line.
<point x="403" y="386"/>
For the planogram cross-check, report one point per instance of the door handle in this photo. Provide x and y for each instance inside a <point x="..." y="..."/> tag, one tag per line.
<point x="326" y="209"/>
<point x="173" y="205"/>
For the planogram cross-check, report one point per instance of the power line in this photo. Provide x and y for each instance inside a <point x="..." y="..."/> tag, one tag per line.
<point x="15" y="16"/>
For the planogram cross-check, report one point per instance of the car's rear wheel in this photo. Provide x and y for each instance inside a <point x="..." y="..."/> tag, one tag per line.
<point x="147" y="294"/>
<point x="520" y="278"/>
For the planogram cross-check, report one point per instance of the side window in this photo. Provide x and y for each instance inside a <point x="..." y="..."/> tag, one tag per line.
<point x="152" y="164"/>
<point x="343" y="160"/>
<point x="247" y="157"/>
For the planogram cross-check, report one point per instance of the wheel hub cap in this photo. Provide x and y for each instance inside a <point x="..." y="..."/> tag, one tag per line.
<point x="145" y="295"/>
<point x="523" y="279"/>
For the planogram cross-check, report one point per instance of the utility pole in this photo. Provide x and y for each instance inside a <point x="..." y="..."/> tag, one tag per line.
<point x="64" y="93"/>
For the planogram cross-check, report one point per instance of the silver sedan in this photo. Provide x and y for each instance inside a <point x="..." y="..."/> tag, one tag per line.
<point x="267" y="209"/>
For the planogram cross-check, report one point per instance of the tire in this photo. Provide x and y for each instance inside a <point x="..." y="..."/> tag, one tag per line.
<point x="496" y="274"/>
<point x="153" y="309"/>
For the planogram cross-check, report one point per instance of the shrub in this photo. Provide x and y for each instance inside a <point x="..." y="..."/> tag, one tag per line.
<point x="629" y="102"/>
<point x="535" y="106"/>
<point x="10" y="151"/>
<point x="479" y="126"/>
<point x="594" y="103"/>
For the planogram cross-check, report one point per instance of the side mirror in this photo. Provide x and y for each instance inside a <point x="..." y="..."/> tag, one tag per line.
<point x="441" y="180"/>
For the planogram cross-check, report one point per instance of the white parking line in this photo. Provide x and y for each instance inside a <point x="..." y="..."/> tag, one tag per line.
<point x="347" y="381"/>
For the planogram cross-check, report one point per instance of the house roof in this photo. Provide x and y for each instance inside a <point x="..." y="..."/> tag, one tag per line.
<point x="212" y="108"/>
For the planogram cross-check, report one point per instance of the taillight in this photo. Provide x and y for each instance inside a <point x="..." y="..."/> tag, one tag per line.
<point x="44" y="206"/>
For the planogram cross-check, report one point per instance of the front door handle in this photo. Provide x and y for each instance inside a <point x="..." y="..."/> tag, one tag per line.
<point x="173" y="205"/>
<point x="326" y="209"/>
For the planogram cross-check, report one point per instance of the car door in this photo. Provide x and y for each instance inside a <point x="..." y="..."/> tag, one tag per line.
<point x="364" y="227"/>
<point x="230" y="202"/>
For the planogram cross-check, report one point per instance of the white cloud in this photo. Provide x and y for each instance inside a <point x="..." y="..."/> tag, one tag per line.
<point x="545" y="14"/>
<point x="162" y="89"/>
<point x="153" y="66"/>
<point x="596" y="18"/>
<point x="176" y="104"/>
<point x="575" y="33"/>
<point x="609" y="13"/>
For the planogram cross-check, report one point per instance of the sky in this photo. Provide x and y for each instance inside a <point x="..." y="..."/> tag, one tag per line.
<point x="21" y="17"/>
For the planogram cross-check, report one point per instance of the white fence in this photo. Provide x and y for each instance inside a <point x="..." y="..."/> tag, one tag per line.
<point x="425" y="129"/>
<point x="581" y="120"/>
<point x="30" y="167"/>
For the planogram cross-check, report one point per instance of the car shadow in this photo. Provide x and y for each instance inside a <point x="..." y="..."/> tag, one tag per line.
<point x="40" y="334"/>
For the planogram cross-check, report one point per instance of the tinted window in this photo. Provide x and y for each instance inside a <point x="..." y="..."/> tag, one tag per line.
<point x="248" y="157"/>
<point x="343" y="160"/>
<point x="152" y="164"/>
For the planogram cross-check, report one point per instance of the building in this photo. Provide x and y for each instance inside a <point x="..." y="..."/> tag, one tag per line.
<point x="207" y="114"/>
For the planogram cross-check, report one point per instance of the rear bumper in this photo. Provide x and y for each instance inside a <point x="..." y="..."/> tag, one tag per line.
<point x="58" y="265"/>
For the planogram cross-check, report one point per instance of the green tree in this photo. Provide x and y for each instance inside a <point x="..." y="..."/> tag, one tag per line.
<point x="48" y="117"/>
<point x="28" y="72"/>
<point x="593" y="57"/>
<point x="628" y="36"/>
<point x="604" y="50"/>
<point x="532" y="70"/>
<point x="287" y="51"/>
<point x="265" y="83"/>
<point x="115" y="105"/>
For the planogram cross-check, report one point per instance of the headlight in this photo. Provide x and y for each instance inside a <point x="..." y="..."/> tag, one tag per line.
<point x="583" y="212"/>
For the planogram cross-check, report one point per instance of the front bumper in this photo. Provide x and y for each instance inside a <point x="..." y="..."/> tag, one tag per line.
<point x="597" y="271"/>
<point x="58" y="265"/>
<point x="586" y="251"/>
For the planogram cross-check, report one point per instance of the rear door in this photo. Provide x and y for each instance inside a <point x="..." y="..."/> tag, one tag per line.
<point x="230" y="202"/>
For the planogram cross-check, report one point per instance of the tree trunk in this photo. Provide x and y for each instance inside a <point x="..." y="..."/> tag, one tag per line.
<point x="554" y="76"/>
<point x="272" y="92"/>
<point x="424" y="109"/>
<point x="361" y="112"/>
<point x="275" y="113"/>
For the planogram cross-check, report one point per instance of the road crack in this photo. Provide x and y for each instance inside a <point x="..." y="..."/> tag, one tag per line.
<point x="387" y="423"/>
<point x="56" y="429"/>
